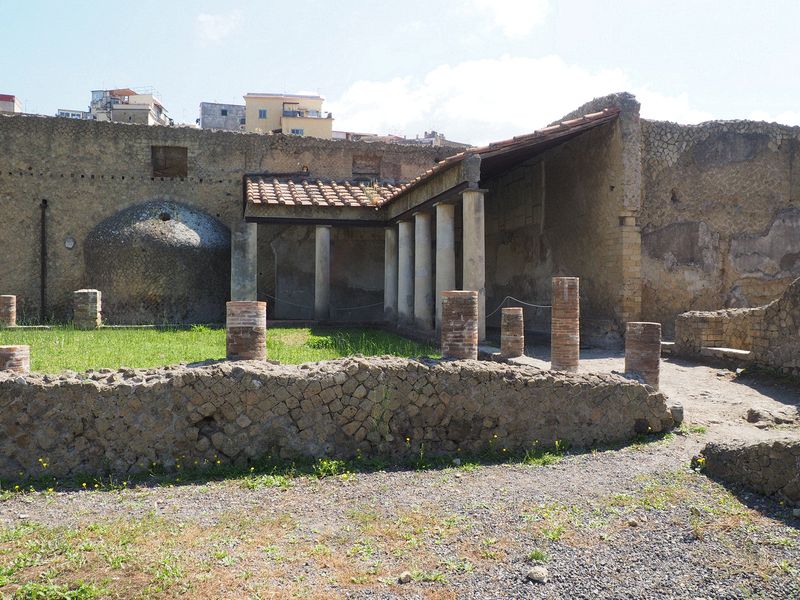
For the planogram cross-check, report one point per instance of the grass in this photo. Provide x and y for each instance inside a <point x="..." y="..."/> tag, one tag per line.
<point x="66" y="348"/>
<point x="251" y="549"/>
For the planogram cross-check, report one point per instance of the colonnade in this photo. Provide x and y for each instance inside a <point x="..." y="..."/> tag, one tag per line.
<point x="416" y="274"/>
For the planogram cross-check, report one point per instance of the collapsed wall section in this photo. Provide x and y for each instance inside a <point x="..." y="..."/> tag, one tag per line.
<point x="124" y="421"/>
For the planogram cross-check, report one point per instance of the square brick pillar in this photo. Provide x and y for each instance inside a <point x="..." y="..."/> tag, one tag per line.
<point x="405" y="273"/>
<point x="87" y="309"/>
<point x="565" y="331"/>
<point x="643" y="351"/>
<point x="512" y="333"/>
<point x="15" y="358"/>
<point x="8" y="311"/>
<point x="423" y="272"/>
<point x="474" y="251"/>
<point x="322" y="272"/>
<point x="460" y="324"/>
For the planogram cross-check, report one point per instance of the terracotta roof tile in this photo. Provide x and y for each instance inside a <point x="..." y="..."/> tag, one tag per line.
<point x="274" y="191"/>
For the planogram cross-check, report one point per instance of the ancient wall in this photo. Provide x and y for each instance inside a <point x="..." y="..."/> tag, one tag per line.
<point x="720" y="215"/>
<point x="770" y="466"/>
<point x="559" y="214"/>
<point x="88" y="171"/>
<point x="771" y="333"/>
<point x="124" y="421"/>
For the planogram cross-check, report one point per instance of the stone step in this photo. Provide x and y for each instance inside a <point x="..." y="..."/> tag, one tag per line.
<point x="732" y="354"/>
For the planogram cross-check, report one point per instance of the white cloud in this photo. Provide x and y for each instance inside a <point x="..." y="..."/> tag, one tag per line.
<point x="515" y="18"/>
<point x="787" y="117"/>
<point x="479" y="101"/>
<point x="212" y="29"/>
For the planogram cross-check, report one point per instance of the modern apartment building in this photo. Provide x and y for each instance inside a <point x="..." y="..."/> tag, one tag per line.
<point x="290" y="114"/>
<point x="228" y="117"/>
<point x="125" y="105"/>
<point x="9" y="103"/>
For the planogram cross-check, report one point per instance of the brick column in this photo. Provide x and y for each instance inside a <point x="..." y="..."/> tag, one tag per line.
<point x="246" y="330"/>
<point x="8" y="311"/>
<point x="565" y="329"/>
<point x="87" y="306"/>
<point x="460" y="324"/>
<point x="643" y="351"/>
<point x="512" y="333"/>
<point x="15" y="358"/>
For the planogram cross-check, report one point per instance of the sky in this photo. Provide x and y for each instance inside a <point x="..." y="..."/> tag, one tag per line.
<point x="475" y="70"/>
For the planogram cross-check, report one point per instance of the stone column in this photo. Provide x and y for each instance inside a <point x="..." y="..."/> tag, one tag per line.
<point x="244" y="261"/>
<point x="405" y="274"/>
<point x="390" y="275"/>
<point x="322" y="274"/>
<point x="565" y="333"/>
<point x="8" y="311"/>
<point x="87" y="307"/>
<point x="460" y="324"/>
<point x="643" y="351"/>
<point x="246" y="330"/>
<point x="423" y="272"/>
<point x="474" y="252"/>
<point x="15" y="358"/>
<point x="445" y="254"/>
<point x="512" y="333"/>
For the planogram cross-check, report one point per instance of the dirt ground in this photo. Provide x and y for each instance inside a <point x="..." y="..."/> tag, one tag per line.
<point x="614" y="523"/>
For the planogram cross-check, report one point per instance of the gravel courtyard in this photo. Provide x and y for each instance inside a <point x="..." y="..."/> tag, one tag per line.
<point x="631" y="522"/>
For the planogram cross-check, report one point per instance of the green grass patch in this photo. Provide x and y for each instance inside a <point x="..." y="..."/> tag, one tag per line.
<point x="66" y="348"/>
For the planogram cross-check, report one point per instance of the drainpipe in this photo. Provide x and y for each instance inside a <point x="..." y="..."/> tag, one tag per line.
<point x="43" y="263"/>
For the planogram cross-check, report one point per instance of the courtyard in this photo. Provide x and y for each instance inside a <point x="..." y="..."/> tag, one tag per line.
<point x="624" y="521"/>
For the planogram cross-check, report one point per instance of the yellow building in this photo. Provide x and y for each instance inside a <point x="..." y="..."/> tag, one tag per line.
<point x="290" y="114"/>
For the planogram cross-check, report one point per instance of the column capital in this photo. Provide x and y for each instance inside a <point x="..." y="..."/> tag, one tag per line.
<point x="476" y="190"/>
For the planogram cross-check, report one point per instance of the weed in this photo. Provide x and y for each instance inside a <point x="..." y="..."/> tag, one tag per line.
<point x="537" y="555"/>
<point x="51" y="591"/>
<point x="428" y="576"/>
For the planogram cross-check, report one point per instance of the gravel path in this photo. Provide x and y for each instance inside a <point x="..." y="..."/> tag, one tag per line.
<point x="634" y="522"/>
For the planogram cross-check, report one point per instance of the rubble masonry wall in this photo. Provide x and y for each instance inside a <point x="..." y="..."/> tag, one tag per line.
<point x="124" y="421"/>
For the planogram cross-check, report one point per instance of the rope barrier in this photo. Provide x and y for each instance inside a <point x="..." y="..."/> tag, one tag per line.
<point x="358" y="307"/>
<point x="503" y="301"/>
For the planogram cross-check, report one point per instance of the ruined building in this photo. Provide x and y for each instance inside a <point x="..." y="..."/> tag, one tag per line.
<point x="655" y="218"/>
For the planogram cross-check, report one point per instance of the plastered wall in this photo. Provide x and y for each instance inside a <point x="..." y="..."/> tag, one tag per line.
<point x="720" y="216"/>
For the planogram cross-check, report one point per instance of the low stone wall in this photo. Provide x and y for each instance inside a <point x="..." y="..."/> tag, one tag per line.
<point x="729" y="328"/>
<point x="123" y="421"/>
<point x="768" y="467"/>
<point x="771" y="333"/>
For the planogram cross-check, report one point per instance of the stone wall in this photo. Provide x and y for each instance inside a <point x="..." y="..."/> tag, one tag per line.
<point x="124" y="421"/>
<point x="766" y="466"/>
<point x="90" y="171"/>
<point x="771" y="333"/>
<point x="720" y="215"/>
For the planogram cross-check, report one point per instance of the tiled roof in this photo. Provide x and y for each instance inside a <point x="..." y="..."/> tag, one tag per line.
<point x="266" y="190"/>
<point x="540" y="136"/>
<point x="270" y="190"/>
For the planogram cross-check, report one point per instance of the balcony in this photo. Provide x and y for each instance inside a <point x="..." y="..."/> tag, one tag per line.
<point x="307" y="114"/>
